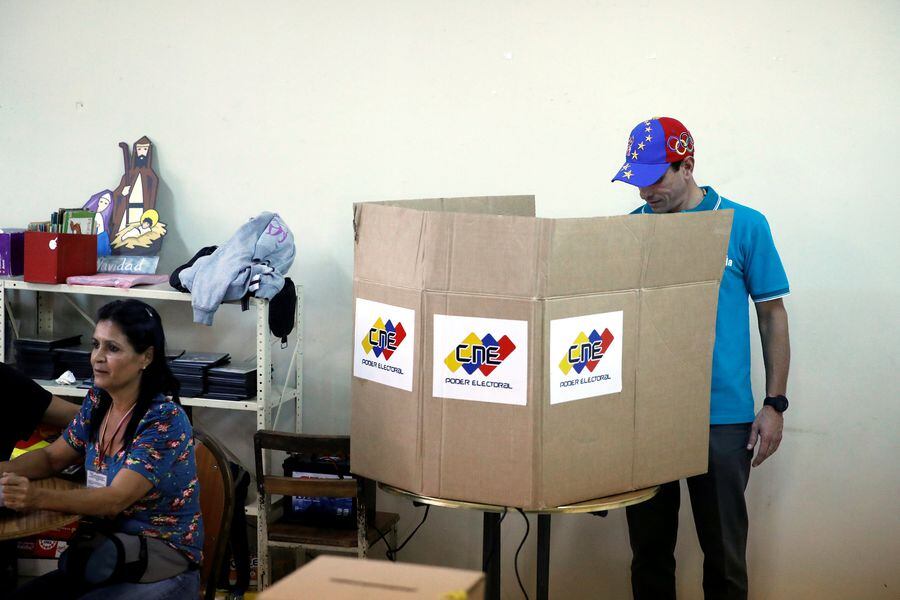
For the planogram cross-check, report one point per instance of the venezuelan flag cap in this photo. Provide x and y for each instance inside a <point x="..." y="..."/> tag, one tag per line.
<point x="652" y="146"/>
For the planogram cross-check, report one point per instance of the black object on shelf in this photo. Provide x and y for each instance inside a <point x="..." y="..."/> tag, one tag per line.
<point x="319" y="510"/>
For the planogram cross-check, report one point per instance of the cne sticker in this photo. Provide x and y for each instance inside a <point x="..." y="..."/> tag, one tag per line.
<point x="383" y="349"/>
<point x="585" y="356"/>
<point x="480" y="359"/>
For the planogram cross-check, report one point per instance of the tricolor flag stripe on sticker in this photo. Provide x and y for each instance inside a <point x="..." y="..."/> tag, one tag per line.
<point x="586" y="352"/>
<point x="479" y="354"/>
<point x="383" y="338"/>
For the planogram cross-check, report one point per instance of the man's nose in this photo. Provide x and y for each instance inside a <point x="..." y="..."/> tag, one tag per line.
<point x="645" y="192"/>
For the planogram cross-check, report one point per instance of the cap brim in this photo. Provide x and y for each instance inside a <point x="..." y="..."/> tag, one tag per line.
<point x="641" y="175"/>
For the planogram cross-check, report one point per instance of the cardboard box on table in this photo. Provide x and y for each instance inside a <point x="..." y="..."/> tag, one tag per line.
<point x="511" y="360"/>
<point x="52" y="257"/>
<point x="12" y="252"/>
<point x="341" y="578"/>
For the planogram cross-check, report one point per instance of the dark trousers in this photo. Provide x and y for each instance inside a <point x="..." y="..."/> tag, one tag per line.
<point x="720" y="515"/>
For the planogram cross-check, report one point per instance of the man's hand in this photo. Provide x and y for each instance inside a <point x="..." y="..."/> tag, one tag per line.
<point x="767" y="429"/>
<point x="18" y="493"/>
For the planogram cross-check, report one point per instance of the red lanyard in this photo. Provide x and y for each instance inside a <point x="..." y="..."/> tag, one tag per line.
<point x="102" y="448"/>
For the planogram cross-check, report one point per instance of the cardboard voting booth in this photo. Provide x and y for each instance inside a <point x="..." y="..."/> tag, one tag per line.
<point x="511" y="360"/>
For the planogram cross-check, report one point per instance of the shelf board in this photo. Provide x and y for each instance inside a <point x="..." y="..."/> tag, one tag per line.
<point x="161" y="291"/>
<point x="248" y="404"/>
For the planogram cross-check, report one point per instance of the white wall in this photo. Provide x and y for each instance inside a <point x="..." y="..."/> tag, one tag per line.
<point x="307" y="107"/>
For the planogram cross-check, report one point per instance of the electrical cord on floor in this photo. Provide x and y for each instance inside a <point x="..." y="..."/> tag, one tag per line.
<point x="527" y="531"/>
<point x="391" y="553"/>
<point x="490" y="555"/>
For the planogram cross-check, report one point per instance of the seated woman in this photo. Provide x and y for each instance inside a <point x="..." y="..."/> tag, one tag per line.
<point x="138" y="450"/>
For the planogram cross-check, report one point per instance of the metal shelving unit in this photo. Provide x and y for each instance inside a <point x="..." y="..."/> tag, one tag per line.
<point x="264" y="404"/>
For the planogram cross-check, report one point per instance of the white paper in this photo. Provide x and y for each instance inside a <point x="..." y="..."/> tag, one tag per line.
<point x="384" y="343"/>
<point x="96" y="479"/>
<point x="67" y="378"/>
<point x="480" y="359"/>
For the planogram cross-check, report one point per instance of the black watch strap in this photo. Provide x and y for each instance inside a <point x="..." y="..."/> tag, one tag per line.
<point x="779" y="403"/>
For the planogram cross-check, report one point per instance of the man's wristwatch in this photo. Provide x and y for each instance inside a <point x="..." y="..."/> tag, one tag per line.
<point x="779" y="403"/>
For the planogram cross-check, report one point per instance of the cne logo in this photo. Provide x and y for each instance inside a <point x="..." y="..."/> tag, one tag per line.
<point x="383" y="338"/>
<point x="479" y="354"/>
<point x="586" y="351"/>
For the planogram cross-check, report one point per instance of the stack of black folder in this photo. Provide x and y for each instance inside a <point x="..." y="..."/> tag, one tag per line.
<point x="36" y="358"/>
<point x="235" y="381"/>
<point x="191" y="368"/>
<point x="76" y="359"/>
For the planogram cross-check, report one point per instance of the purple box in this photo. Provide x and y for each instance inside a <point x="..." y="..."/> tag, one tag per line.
<point x="12" y="252"/>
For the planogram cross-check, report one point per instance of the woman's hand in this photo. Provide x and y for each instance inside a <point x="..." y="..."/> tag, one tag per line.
<point x="18" y="493"/>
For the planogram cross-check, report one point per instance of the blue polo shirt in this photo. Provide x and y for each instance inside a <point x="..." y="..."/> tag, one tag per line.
<point x="753" y="269"/>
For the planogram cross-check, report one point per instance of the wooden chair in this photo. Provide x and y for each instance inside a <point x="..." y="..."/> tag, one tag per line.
<point x="370" y="525"/>
<point x="216" y="507"/>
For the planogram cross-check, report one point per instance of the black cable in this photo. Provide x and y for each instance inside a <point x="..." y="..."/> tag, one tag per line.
<point x="527" y="530"/>
<point x="490" y="555"/>
<point x="391" y="553"/>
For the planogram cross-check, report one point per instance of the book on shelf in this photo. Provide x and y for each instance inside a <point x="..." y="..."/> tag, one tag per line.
<point x="77" y="220"/>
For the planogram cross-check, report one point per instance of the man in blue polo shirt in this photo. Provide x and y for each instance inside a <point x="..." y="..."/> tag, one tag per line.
<point x="659" y="161"/>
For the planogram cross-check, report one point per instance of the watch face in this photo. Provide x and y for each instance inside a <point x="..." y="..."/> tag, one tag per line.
<point x="779" y="403"/>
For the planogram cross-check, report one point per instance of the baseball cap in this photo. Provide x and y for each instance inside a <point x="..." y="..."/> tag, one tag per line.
<point x="652" y="146"/>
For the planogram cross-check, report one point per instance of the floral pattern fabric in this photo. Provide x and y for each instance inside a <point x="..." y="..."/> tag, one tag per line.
<point x="163" y="453"/>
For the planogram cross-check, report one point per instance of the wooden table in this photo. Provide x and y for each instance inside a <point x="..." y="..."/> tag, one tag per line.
<point x="491" y="529"/>
<point x="19" y="525"/>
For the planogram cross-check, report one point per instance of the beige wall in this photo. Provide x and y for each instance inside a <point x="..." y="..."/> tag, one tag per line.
<point x="307" y="107"/>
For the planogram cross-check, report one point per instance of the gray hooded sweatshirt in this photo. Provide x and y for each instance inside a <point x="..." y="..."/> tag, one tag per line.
<point x="254" y="260"/>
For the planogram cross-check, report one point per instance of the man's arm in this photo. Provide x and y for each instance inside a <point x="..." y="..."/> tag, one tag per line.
<point x="60" y="412"/>
<point x="776" y="346"/>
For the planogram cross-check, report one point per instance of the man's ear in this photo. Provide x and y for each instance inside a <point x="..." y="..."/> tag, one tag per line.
<point x="687" y="165"/>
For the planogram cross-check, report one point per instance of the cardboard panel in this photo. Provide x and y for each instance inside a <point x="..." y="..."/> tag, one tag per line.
<point x="676" y="330"/>
<point x="686" y="247"/>
<point x="478" y="450"/>
<point x="342" y="578"/>
<point x="482" y="254"/>
<point x="595" y="255"/>
<point x="387" y="245"/>
<point x="385" y="422"/>
<point x="587" y="444"/>
<point x="522" y="206"/>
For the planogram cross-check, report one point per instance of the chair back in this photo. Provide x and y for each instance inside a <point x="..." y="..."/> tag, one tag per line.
<point x="363" y="490"/>
<point x="216" y="506"/>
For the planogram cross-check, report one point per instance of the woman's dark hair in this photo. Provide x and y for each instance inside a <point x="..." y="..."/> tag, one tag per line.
<point x="142" y="326"/>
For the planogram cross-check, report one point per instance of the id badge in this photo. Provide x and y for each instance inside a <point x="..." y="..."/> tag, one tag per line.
<point x="95" y="479"/>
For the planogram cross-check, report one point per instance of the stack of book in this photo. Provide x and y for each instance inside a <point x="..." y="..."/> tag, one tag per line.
<point x="36" y="358"/>
<point x="191" y="368"/>
<point x="236" y="381"/>
<point x="76" y="359"/>
<point x="67" y="220"/>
